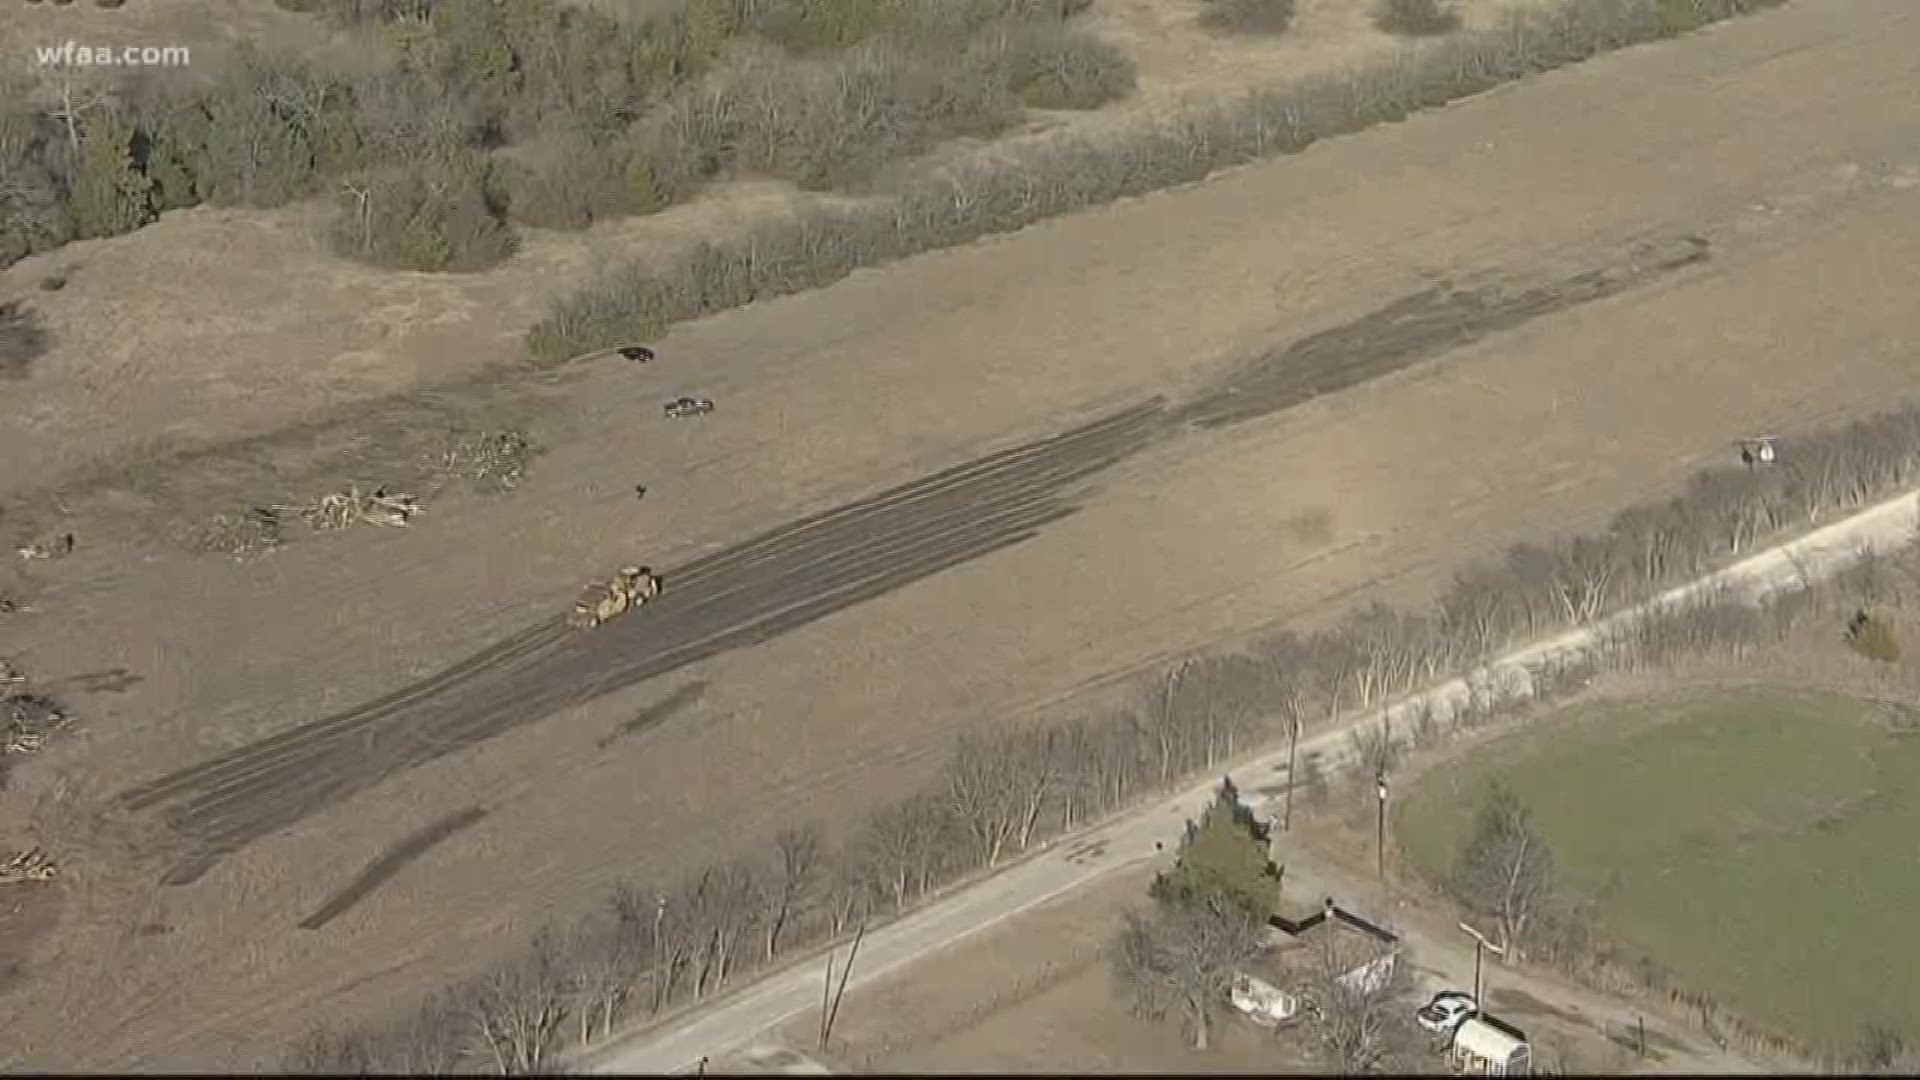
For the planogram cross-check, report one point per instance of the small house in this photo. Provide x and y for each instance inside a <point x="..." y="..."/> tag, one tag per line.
<point x="1268" y="989"/>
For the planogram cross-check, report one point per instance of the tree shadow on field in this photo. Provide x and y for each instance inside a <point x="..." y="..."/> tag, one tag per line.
<point x="390" y="863"/>
<point x="22" y="340"/>
<point x="656" y="714"/>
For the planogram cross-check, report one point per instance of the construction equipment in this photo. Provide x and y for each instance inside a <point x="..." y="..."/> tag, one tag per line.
<point x="30" y="865"/>
<point x="603" y="600"/>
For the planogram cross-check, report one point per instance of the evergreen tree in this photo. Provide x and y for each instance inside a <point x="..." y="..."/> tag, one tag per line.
<point x="110" y="194"/>
<point x="1223" y="861"/>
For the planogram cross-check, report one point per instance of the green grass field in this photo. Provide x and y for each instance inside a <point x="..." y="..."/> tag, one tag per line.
<point x="1762" y="844"/>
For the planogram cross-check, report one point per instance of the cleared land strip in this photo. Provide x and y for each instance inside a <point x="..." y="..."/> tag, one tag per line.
<point x="804" y="571"/>
<point x="737" y="1021"/>
<point x="727" y="600"/>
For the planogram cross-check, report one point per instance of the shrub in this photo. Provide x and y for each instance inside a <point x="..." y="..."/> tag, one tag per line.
<point x="820" y="25"/>
<point x="1873" y="637"/>
<point x="1416" y="18"/>
<point x="1247" y="16"/>
<point x="33" y="214"/>
<point x="22" y="339"/>
<point x="1060" y="67"/>
<point x="436" y="213"/>
<point x="110" y="195"/>
<point x="256" y="141"/>
<point x="568" y="184"/>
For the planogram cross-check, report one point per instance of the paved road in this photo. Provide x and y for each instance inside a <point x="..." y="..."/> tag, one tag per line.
<point x="1073" y="862"/>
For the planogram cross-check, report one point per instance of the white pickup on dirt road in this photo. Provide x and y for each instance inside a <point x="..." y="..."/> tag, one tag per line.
<point x="1068" y="863"/>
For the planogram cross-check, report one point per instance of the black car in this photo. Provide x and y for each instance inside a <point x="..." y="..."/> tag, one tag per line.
<point x="639" y="354"/>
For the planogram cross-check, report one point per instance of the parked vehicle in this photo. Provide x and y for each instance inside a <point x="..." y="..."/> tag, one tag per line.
<point x="688" y="406"/>
<point x="1447" y="1010"/>
<point x="639" y="354"/>
<point x="1485" y="1046"/>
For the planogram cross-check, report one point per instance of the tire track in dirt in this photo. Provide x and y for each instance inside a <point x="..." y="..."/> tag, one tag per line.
<point x="1420" y="327"/>
<point x="815" y="566"/>
<point x="727" y="600"/>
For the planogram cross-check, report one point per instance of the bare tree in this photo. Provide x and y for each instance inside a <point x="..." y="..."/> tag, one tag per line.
<point x="74" y="97"/>
<point x="325" y="1051"/>
<point x="1375" y="749"/>
<point x="900" y="844"/>
<point x="1118" y="763"/>
<point x="1290" y="673"/>
<point x="430" y="1039"/>
<point x="1076" y="750"/>
<point x="799" y="855"/>
<point x="1222" y="694"/>
<point x="1380" y="637"/>
<point x="1180" y="960"/>
<point x="1039" y="764"/>
<point x="1583" y="578"/>
<point x="1361" y="1026"/>
<point x="727" y="893"/>
<point x="1504" y="870"/>
<point x="1480" y="611"/>
<point x="517" y="1009"/>
<point x="609" y="954"/>
<point x="1655" y="537"/>
<point x="1531" y="570"/>
<point x="679" y="933"/>
<point x="982" y="778"/>
<point x="851" y="888"/>
<point x="1162" y="720"/>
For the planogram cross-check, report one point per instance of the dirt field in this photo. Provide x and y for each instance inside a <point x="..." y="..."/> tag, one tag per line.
<point x="1797" y="314"/>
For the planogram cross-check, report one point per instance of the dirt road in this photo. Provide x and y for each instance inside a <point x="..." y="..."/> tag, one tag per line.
<point x="1079" y="860"/>
<point x="1785" y="142"/>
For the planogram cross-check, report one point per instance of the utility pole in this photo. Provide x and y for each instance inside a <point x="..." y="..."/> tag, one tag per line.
<point x="1380" y="825"/>
<point x="1480" y="946"/>
<point x="833" y="1013"/>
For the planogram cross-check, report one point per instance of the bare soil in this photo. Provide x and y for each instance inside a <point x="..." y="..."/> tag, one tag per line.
<point x="246" y="752"/>
<point x="1032" y="995"/>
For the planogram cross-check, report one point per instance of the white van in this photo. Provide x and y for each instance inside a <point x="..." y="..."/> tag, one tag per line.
<point x="1491" y="1049"/>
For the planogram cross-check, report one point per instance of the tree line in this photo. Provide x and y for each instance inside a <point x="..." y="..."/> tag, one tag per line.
<point x="650" y="948"/>
<point x="473" y="116"/>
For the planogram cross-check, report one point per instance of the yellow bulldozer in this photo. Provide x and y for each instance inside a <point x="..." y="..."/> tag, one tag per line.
<point x="603" y="600"/>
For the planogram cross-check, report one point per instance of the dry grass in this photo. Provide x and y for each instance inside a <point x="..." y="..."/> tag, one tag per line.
<point x="1416" y="18"/>
<point x="22" y="339"/>
<point x="1247" y="16"/>
<point x="932" y="209"/>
